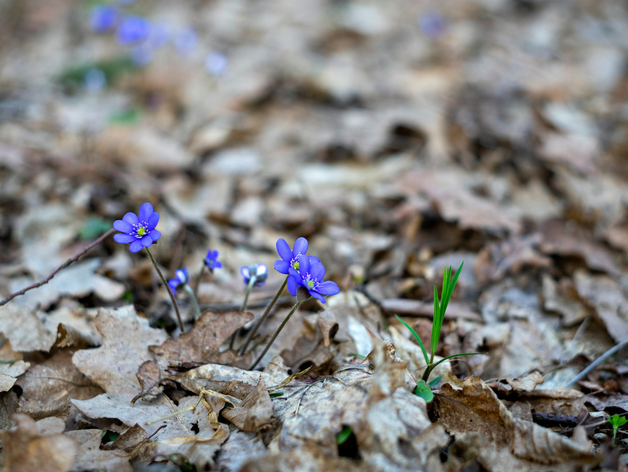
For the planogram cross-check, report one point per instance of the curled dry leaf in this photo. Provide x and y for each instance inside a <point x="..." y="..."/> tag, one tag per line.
<point x="126" y="338"/>
<point x="255" y="413"/>
<point x="48" y="387"/>
<point x="91" y="457"/>
<point x="26" y="450"/>
<point x="239" y="449"/>
<point x="483" y="425"/>
<point x="328" y="325"/>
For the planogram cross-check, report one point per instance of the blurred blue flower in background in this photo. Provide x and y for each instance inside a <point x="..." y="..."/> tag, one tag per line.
<point x="133" y="29"/>
<point x="432" y="24"/>
<point x="103" y="18"/>
<point x="216" y="63"/>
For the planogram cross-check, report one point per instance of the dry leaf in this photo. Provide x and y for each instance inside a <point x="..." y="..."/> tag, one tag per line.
<point x="27" y="451"/>
<point x="126" y="338"/>
<point x="91" y="457"/>
<point x="255" y="413"/>
<point x="201" y="344"/>
<point x="473" y="411"/>
<point x="308" y="458"/>
<point x="607" y="299"/>
<point x="48" y="387"/>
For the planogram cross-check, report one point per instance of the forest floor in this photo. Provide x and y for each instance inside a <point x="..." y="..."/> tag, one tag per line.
<point x="398" y="138"/>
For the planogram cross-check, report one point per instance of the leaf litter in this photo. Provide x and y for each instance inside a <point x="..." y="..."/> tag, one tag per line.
<point x="397" y="139"/>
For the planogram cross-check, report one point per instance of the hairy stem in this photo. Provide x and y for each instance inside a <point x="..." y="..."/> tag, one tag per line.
<point x="163" y="280"/>
<point x="198" y="280"/>
<point x="190" y="292"/>
<point x="272" y="340"/>
<point x="242" y="350"/>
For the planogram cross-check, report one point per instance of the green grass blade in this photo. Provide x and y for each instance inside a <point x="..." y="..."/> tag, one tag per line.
<point x="416" y="336"/>
<point x="450" y="289"/>
<point x="436" y="323"/>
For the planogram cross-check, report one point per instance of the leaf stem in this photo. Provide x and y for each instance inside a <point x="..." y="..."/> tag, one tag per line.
<point x="272" y="340"/>
<point x="252" y="333"/>
<point x="163" y="280"/>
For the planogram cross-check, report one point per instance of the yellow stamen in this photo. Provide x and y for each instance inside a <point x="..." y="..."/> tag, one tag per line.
<point x="141" y="231"/>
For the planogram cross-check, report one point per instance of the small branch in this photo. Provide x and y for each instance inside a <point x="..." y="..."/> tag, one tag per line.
<point x="597" y="362"/>
<point x="62" y="266"/>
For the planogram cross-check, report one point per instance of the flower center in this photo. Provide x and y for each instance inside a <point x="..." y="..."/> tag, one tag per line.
<point x="140" y="230"/>
<point x="294" y="263"/>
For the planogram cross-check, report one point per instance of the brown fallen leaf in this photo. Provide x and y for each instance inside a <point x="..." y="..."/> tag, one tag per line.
<point x="239" y="449"/>
<point x="510" y="256"/>
<point x="91" y="457"/>
<point x="255" y="413"/>
<point x="126" y="338"/>
<point x="562" y="298"/>
<point x="471" y="411"/>
<point x="307" y="458"/>
<point x="48" y="387"/>
<point x="328" y="325"/>
<point x="28" y="451"/>
<point x="568" y="239"/>
<point x="201" y="344"/>
<point x="9" y="372"/>
<point x="606" y="297"/>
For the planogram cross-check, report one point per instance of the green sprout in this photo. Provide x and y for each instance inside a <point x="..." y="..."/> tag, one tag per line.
<point x="440" y="307"/>
<point x="616" y="421"/>
<point x="343" y="435"/>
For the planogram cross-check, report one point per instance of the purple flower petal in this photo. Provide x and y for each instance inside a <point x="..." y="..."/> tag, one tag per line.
<point x="130" y="218"/>
<point x="136" y="246"/>
<point x="281" y="266"/>
<point x="153" y="220"/>
<point x="316" y="295"/>
<point x="122" y="226"/>
<point x="328" y="288"/>
<point x="317" y="271"/>
<point x="145" y="211"/>
<point x="155" y="235"/>
<point x="146" y="240"/>
<point x="284" y="250"/>
<point x="244" y="270"/>
<point x="123" y="238"/>
<point x="304" y="265"/>
<point x="300" y="246"/>
<point x="313" y="259"/>
<point x="217" y="264"/>
<point x="293" y="285"/>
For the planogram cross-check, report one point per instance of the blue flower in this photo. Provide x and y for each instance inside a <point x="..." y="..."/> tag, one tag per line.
<point x="211" y="261"/>
<point x="133" y="29"/>
<point x="310" y="276"/>
<point x="181" y="277"/>
<point x="216" y="63"/>
<point x="260" y="271"/>
<point x="103" y="18"/>
<point x="139" y="230"/>
<point x="290" y="259"/>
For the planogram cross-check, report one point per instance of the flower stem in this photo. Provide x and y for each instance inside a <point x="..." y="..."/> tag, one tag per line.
<point x="163" y="280"/>
<point x="249" y="286"/>
<point x="198" y="280"/>
<point x="197" y="309"/>
<point x="272" y="340"/>
<point x="242" y="350"/>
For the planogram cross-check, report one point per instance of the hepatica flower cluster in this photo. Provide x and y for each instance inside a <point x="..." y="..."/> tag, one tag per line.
<point x="144" y="37"/>
<point x="303" y="271"/>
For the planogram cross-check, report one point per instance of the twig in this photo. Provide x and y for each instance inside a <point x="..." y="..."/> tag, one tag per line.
<point x="597" y="362"/>
<point x="67" y="263"/>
